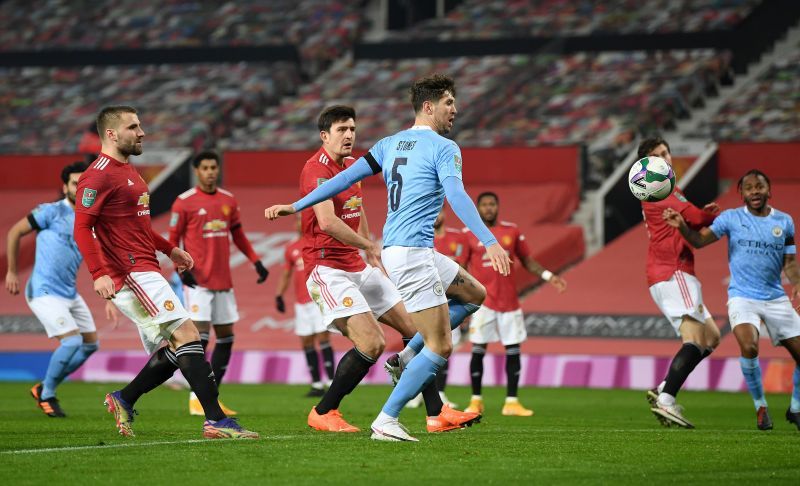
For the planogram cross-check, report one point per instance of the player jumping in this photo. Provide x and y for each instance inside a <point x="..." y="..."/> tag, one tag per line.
<point x="114" y="234"/>
<point x="676" y="290"/>
<point x="203" y="218"/>
<point x="51" y="293"/>
<point x="760" y="244"/>
<point x="500" y="318"/>
<point x="420" y="167"/>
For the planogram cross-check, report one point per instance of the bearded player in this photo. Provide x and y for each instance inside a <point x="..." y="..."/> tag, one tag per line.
<point x="115" y="236"/>
<point x="500" y="318"/>
<point x="51" y="292"/>
<point x="676" y="290"/>
<point x="204" y="218"/>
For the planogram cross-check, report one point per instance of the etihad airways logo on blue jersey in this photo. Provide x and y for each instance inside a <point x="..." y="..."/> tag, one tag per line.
<point x="755" y="246"/>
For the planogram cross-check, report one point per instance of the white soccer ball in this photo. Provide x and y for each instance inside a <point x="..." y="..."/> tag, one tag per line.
<point x="651" y="179"/>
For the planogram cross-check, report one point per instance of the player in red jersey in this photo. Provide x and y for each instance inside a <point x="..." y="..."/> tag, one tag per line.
<point x="451" y="243"/>
<point x="500" y="318"/>
<point x="353" y="295"/>
<point x="675" y="289"/>
<point x="114" y="234"/>
<point x="203" y="218"/>
<point x="308" y="323"/>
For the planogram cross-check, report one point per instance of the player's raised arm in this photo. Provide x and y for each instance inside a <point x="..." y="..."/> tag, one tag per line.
<point x="468" y="214"/>
<point x="362" y="168"/>
<point x="697" y="239"/>
<point x="20" y="229"/>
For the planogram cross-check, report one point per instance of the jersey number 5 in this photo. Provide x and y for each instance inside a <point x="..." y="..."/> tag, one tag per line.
<point x="397" y="188"/>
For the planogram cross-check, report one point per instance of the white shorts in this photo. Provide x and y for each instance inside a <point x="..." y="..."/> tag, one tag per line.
<point x="148" y="300"/>
<point x="421" y="275"/>
<point x="488" y="326"/>
<point x="681" y="295"/>
<point x="778" y="316"/>
<point x="60" y="315"/>
<point x="308" y="319"/>
<point x="214" y="306"/>
<point x="343" y="294"/>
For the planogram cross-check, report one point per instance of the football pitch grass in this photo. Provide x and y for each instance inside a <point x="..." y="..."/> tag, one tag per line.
<point x="576" y="436"/>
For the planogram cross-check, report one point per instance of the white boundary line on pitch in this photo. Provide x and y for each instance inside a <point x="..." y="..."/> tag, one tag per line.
<point x="138" y="444"/>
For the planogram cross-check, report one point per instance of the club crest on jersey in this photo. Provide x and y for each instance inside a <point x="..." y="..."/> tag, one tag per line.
<point x="89" y="196"/>
<point x="321" y="181"/>
<point x="353" y="203"/>
<point x="507" y="240"/>
<point x="438" y="289"/>
<point x="226" y="210"/>
<point x="777" y="232"/>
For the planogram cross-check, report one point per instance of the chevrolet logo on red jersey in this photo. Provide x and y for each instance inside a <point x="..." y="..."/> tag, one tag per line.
<point x="215" y="225"/>
<point x="144" y="200"/>
<point x="353" y="203"/>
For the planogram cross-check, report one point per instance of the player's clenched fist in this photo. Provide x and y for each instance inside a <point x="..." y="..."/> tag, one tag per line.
<point x="104" y="287"/>
<point x="499" y="257"/>
<point x="274" y="212"/>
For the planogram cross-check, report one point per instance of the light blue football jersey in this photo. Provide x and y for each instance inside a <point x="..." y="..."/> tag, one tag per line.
<point x="57" y="254"/>
<point x="756" y="246"/>
<point x="414" y="163"/>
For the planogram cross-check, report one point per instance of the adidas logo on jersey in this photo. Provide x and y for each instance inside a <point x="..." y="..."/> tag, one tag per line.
<point x="130" y="182"/>
<point x="202" y="212"/>
<point x="324" y="159"/>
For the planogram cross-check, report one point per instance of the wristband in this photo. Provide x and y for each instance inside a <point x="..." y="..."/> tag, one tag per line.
<point x="547" y="275"/>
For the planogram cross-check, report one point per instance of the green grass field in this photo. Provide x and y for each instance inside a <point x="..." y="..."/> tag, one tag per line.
<point x="576" y="436"/>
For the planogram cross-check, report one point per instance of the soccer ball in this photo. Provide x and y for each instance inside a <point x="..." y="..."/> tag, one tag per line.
<point x="651" y="179"/>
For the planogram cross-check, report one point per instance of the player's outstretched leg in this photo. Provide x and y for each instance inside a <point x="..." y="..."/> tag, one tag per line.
<point x="512" y="405"/>
<point x="417" y="375"/>
<point x="665" y="408"/>
<point x="352" y="368"/>
<point x="158" y="369"/>
<point x="197" y="371"/>
<point x="57" y="370"/>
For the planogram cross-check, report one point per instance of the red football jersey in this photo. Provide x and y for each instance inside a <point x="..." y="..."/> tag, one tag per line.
<point x="668" y="252"/>
<point x="294" y="262"/>
<point x="453" y="244"/>
<point x="501" y="292"/>
<point x="204" y="222"/>
<point x="322" y="249"/>
<point x="118" y="196"/>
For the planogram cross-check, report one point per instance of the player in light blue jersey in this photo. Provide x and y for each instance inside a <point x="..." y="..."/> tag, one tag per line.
<point x="51" y="292"/>
<point x="761" y="243"/>
<point x="420" y="167"/>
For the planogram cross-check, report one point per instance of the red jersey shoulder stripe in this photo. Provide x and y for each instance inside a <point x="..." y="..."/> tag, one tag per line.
<point x="102" y="162"/>
<point x="223" y="191"/>
<point x="191" y="192"/>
